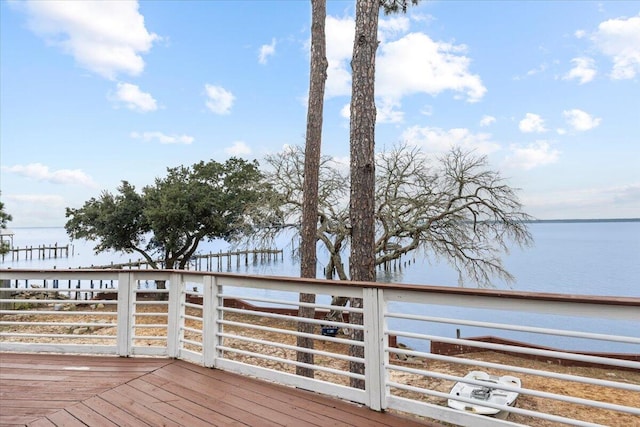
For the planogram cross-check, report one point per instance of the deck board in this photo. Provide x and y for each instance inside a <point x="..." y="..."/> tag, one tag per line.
<point x="89" y="416"/>
<point x="214" y="407"/>
<point x="42" y="390"/>
<point x="240" y="393"/>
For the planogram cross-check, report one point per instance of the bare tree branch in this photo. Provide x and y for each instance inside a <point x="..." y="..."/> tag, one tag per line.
<point x="453" y="207"/>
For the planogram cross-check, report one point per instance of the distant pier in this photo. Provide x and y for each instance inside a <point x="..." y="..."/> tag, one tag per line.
<point x="213" y="261"/>
<point x="41" y="252"/>
<point x="85" y="289"/>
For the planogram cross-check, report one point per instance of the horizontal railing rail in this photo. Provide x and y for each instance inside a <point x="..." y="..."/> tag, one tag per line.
<point x="577" y="357"/>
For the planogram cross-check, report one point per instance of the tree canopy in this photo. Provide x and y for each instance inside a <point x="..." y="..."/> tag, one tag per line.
<point x="4" y="219"/>
<point x="166" y="221"/>
<point x="4" y="216"/>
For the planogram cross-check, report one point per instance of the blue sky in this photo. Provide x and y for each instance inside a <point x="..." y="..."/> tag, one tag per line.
<point x="95" y="93"/>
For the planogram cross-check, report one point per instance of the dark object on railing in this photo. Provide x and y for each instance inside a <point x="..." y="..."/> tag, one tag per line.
<point x="330" y="331"/>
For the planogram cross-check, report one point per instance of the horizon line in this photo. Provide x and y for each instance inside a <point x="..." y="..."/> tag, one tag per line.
<point x="637" y="219"/>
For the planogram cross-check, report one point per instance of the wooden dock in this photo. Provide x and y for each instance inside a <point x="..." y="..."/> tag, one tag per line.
<point x="213" y="261"/>
<point x="50" y="390"/>
<point x="41" y="252"/>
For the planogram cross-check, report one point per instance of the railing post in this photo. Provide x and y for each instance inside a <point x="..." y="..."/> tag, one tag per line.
<point x="384" y="343"/>
<point x="126" y="297"/>
<point x="210" y="315"/>
<point x="373" y="342"/>
<point x="175" y="314"/>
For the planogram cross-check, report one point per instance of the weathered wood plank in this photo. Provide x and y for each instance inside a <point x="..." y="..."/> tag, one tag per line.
<point x="220" y="399"/>
<point x="42" y="422"/>
<point x="90" y="417"/>
<point x="30" y="404"/>
<point x="116" y="414"/>
<point x="7" y="420"/>
<point x="223" y="392"/>
<point x="216" y="408"/>
<point x="158" y="405"/>
<point x="130" y="405"/>
<point x="63" y="418"/>
<point x="182" y="398"/>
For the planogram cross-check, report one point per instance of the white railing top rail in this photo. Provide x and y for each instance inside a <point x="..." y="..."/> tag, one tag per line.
<point x="233" y="279"/>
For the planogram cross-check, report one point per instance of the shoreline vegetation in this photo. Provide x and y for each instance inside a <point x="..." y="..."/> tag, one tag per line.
<point x="156" y="315"/>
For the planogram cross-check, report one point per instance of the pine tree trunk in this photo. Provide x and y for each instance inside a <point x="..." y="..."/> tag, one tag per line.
<point x="362" y="141"/>
<point x="308" y="261"/>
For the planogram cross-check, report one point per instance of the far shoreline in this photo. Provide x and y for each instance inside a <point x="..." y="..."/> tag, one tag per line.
<point x="568" y="221"/>
<point x="532" y="221"/>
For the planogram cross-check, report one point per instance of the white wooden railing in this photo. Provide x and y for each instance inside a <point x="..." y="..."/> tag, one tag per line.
<point x="247" y="324"/>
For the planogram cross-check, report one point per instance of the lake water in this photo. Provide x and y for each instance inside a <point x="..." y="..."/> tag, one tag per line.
<point x="595" y="258"/>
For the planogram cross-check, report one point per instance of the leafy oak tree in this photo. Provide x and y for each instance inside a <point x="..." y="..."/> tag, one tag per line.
<point x="165" y="222"/>
<point x="4" y="219"/>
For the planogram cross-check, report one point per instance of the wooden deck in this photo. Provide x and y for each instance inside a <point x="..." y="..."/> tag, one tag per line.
<point x="59" y="390"/>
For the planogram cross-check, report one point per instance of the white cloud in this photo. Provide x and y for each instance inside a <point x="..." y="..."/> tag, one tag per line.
<point x="487" y="120"/>
<point x="266" y="50"/>
<point x="619" y="39"/>
<point x="219" y="100"/>
<point x="35" y="210"/>
<point x="393" y="26"/>
<point x="626" y="194"/>
<point x="386" y="111"/>
<point x="339" y="35"/>
<point x="532" y="123"/>
<point x="438" y="140"/>
<point x="162" y="138"/>
<point x="580" y="34"/>
<point x="532" y="72"/>
<point x="40" y="172"/>
<point x="580" y="120"/>
<point x="623" y="201"/>
<point x="37" y="198"/>
<point x="583" y="70"/>
<point x="533" y="155"/>
<point x="417" y="64"/>
<point x="238" y="148"/>
<point x="345" y="111"/>
<point x="421" y="17"/>
<point x="405" y="66"/>
<point x="105" y="37"/>
<point x="133" y="98"/>
<point x="539" y="69"/>
<point x="427" y="110"/>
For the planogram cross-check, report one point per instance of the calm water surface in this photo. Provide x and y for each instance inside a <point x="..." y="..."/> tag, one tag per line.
<point x="597" y="258"/>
